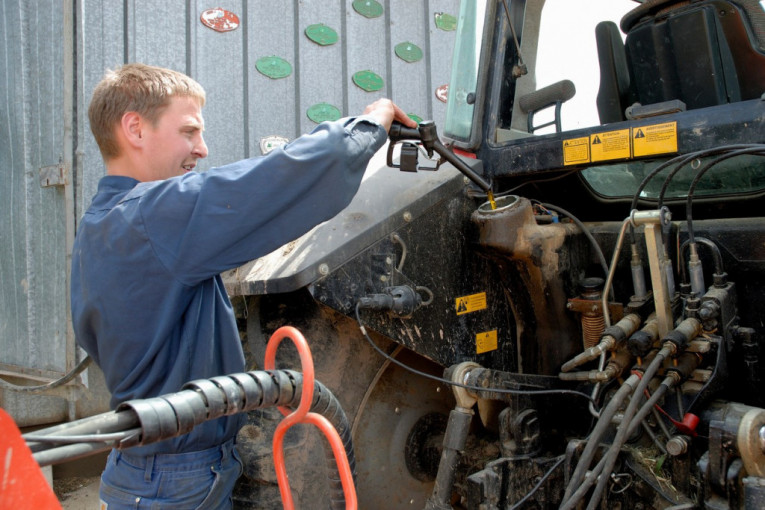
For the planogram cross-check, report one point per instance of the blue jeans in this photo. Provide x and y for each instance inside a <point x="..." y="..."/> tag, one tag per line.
<point x="202" y="480"/>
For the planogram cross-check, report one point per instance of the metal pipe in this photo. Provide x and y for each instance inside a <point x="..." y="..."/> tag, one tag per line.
<point x="69" y="452"/>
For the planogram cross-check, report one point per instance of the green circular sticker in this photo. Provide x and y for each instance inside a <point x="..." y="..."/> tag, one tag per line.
<point x="368" y="81"/>
<point x="274" y="67"/>
<point x="321" y="34"/>
<point x="408" y="51"/>
<point x="321" y="112"/>
<point x="368" y="8"/>
<point x="446" y="21"/>
<point x="414" y="117"/>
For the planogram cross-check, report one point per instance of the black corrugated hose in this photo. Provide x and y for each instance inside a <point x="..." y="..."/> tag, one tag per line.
<point x="146" y="421"/>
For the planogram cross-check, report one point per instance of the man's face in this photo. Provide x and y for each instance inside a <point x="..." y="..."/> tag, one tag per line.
<point x="175" y="143"/>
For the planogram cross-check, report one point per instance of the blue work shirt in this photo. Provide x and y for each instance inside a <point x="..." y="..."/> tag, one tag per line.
<point x="148" y="303"/>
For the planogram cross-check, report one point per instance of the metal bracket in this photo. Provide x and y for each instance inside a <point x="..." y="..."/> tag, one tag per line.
<point x="55" y="175"/>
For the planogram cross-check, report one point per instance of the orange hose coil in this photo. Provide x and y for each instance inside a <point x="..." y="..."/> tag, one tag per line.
<point x="302" y="415"/>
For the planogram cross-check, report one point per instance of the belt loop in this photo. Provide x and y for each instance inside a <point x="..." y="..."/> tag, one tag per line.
<point x="149" y="468"/>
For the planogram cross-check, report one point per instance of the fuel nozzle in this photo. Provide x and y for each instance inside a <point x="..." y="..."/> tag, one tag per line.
<point x="427" y="134"/>
<point x="401" y="301"/>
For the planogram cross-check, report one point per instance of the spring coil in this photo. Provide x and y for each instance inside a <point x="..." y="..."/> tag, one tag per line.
<point x="593" y="325"/>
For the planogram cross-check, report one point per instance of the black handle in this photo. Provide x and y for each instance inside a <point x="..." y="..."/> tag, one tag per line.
<point x="428" y="136"/>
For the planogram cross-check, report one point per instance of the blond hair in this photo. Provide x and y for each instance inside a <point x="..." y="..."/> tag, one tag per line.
<point x="139" y="88"/>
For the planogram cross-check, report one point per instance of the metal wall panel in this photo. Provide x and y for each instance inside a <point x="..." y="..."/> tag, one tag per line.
<point x="33" y="316"/>
<point x="32" y="227"/>
<point x="43" y="118"/>
<point x="243" y="105"/>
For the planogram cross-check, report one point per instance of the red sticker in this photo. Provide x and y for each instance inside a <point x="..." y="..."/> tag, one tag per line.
<point x="220" y="19"/>
<point x="442" y="93"/>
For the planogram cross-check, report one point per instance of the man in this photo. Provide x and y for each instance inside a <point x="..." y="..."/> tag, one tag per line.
<point x="148" y="303"/>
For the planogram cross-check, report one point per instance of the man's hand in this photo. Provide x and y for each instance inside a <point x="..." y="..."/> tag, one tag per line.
<point x="385" y="112"/>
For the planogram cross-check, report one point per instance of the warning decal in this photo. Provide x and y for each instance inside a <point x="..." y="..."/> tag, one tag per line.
<point x="622" y="144"/>
<point x="610" y="145"/>
<point x="576" y="151"/>
<point x="486" y="341"/>
<point x="471" y="303"/>
<point x="654" y="139"/>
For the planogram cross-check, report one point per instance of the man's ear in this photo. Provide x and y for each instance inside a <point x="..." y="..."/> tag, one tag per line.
<point x="132" y="126"/>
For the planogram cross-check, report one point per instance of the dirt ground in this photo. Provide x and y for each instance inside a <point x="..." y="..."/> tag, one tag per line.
<point x="77" y="493"/>
<point x="76" y="483"/>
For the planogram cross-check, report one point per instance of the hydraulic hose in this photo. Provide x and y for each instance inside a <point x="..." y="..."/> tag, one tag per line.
<point x="600" y="428"/>
<point x="151" y="420"/>
<point x="621" y="431"/>
<point x="609" y="459"/>
<point x="585" y="484"/>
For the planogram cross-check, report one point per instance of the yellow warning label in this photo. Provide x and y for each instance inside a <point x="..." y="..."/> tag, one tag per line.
<point x="471" y="303"/>
<point x="654" y="139"/>
<point x="576" y="151"/>
<point x="610" y="145"/>
<point x="486" y="341"/>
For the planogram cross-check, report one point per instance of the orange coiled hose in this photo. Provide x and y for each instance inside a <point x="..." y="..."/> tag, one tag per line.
<point x="302" y="415"/>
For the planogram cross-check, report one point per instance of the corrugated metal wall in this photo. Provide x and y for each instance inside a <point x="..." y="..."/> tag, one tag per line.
<point x="243" y="104"/>
<point x="39" y="99"/>
<point x="32" y="226"/>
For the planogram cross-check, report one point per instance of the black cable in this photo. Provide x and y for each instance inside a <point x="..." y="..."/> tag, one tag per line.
<point x="675" y="160"/>
<point x="539" y="483"/>
<point x="716" y="256"/>
<point x="460" y="385"/>
<point x="757" y="150"/>
<point x="81" y="366"/>
<point x="696" y="155"/>
<point x="671" y="175"/>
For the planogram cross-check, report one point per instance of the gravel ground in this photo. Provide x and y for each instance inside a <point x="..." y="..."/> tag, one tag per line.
<point x="77" y="493"/>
